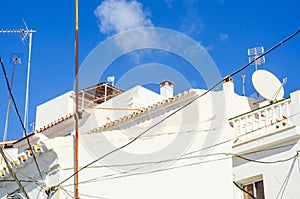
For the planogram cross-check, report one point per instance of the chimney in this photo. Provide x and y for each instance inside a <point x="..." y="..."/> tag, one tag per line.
<point x="166" y="89"/>
<point x="228" y="86"/>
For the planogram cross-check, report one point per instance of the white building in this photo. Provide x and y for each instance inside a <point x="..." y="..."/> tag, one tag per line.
<point x="140" y="144"/>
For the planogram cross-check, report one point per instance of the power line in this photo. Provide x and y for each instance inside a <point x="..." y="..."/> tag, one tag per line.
<point x="184" y="106"/>
<point x="184" y="156"/>
<point x="202" y="149"/>
<point x="193" y="164"/>
<point x="230" y="155"/>
<point x="112" y="176"/>
<point x="8" y="164"/>
<point x="243" y="190"/>
<point x="81" y="194"/>
<point x="19" y="117"/>
<point x="239" y="136"/>
<point x="241" y="156"/>
<point x="19" y="180"/>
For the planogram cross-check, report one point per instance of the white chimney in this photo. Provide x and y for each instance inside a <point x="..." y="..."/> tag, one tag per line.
<point x="166" y="89"/>
<point x="228" y="86"/>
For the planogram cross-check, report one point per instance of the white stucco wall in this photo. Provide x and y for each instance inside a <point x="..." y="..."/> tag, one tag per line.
<point x="197" y="126"/>
<point x="281" y="179"/>
<point x="137" y="97"/>
<point x="192" y="128"/>
<point x="54" y="109"/>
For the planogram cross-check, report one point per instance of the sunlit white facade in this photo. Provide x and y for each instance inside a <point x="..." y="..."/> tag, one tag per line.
<point x="217" y="145"/>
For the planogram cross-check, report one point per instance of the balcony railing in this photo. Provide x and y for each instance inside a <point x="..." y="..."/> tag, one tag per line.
<point x="92" y="96"/>
<point x="261" y="121"/>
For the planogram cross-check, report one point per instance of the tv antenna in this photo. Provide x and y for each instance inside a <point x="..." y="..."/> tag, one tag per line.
<point x="25" y="34"/>
<point x="254" y="53"/>
<point x="111" y="79"/>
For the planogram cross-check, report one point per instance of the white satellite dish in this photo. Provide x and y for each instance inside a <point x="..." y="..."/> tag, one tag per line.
<point x="267" y="85"/>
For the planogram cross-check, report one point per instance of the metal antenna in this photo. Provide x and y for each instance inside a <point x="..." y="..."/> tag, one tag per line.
<point x="254" y="53"/>
<point x="16" y="61"/>
<point x="111" y="79"/>
<point x="243" y="84"/>
<point x="26" y="33"/>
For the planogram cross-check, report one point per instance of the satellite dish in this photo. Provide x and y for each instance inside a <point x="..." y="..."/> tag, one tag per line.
<point x="267" y="85"/>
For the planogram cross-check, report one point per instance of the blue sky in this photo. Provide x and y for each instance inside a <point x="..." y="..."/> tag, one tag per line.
<point x="226" y="28"/>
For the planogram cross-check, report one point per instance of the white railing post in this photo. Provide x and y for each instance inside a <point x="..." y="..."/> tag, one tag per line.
<point x="287" y="111"/>
<point x="280" y="111"/>
<point x="82" y="102"/>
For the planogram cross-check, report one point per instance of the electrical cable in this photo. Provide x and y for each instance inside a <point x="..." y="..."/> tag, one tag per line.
<point x="182" y="157"/>
<point x="19" y="180"/>
<point x="237" y="155"/>
<point x="265" y="162"/>
<point x="113" y="176"/>
<point x="184" y="106"/>
<point x="243" y="190"/>
<point x="189" y="157"/>
<point x="19" y="117"/>
<point x="90" y="196"/>
<point x="199" y="156"/>
<point x="230" y="155"/>
<point x="67" y="192"/>
<point x="192" y="164"/>
<point x="239" y="136"/>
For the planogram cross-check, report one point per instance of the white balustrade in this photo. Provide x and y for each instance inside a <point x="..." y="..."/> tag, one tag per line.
<point x="261" y="121"/>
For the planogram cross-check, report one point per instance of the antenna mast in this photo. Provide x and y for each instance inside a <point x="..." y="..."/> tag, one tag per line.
<point x="16" y="61"/>
<point x="243" y="84"/>
<point x="26" y="33"/>
<point x="254" y="53"/>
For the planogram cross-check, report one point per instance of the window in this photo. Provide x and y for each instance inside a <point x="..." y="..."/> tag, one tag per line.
<point x="256" y="189"/>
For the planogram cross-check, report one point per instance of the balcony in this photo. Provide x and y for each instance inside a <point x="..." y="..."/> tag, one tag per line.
<point x="262" y="122"/>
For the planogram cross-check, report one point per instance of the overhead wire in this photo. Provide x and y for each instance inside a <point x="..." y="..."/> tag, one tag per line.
<point x="184" y="106"/>
<point x="192" y="157"/>
<point x="19" y="117"/>
<point x="243" y="190"/>
<point x="86" y="195"/>
<point x="286" y="180"/>
<point x="67" y="192"/>
<point x="112" y="176"/>
<point x="229" y="156"/>
<point x="184" y="156"/>
<point x="7" y="180"/>
<point x="242" y="135"/>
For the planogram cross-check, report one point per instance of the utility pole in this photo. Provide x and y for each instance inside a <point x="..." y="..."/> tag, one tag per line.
<point x="76" y="195"/>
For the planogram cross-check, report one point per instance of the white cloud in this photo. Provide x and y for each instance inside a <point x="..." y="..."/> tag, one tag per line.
<point x="223" y="37"/>
<point x="169" y="3"/>
<point x="117" y="16"/>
